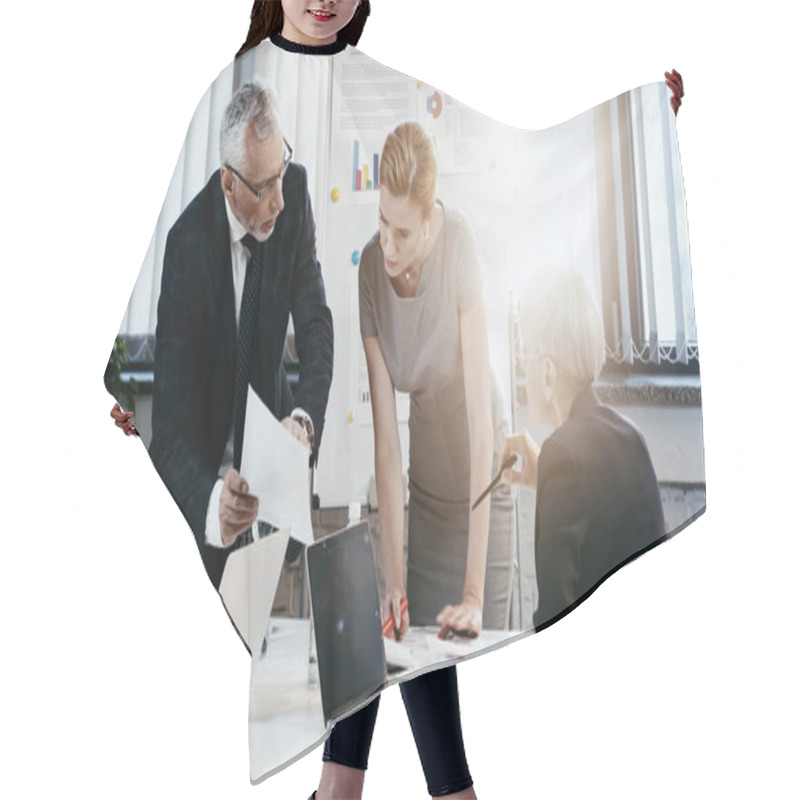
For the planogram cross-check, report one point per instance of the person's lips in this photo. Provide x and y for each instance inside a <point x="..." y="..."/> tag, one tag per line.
<point x="321" y="16"/>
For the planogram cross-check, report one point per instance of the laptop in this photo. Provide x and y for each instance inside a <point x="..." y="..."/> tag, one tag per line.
<point x="347" y="621"/>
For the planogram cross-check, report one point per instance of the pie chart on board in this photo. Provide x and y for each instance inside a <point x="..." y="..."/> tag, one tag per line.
<point x="434" y="105"/>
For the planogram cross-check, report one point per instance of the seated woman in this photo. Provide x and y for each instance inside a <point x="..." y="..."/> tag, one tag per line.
<point x="598" y="504"/>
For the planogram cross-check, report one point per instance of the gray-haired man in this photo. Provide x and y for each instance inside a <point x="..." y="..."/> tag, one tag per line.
<point x="239" y="260"/>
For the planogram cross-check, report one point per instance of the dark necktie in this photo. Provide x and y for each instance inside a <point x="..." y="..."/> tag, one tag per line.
<point x="247" y="345"/>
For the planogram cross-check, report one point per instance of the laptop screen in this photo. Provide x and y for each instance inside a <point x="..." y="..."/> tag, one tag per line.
<point x="346" y="613"/>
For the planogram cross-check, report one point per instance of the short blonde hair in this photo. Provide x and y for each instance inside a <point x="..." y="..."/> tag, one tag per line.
<point x="559" y="319"/>
<point x="408" y="165"/>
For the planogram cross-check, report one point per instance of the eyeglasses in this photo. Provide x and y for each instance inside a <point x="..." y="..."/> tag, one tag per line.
<point x="269" y="186"/>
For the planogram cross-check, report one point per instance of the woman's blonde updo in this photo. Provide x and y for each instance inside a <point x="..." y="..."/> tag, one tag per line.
<point x="408" y="166"/>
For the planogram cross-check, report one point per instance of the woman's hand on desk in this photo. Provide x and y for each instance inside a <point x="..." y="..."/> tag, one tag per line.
<point x="465" y="619"/>
<point x="527" y="452"/>
<point x="124" y="420"/>
<point x="395" y="606"/>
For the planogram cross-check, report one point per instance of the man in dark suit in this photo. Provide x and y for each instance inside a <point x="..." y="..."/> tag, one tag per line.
<point x="598" y="503"/>
<point x="239" y="260"/>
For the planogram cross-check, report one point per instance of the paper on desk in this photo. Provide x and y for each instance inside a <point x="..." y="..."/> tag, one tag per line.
<point x="275" y="465"/>
<point x="422" y="646"/>
<point x="249" y="583"/>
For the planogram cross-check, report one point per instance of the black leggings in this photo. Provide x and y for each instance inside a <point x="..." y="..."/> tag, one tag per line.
<point x="432" y="706"/>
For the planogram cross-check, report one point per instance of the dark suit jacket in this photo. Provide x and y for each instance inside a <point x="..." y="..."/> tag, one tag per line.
<point x="195" y="350"/>
<point x="598" y="505"/>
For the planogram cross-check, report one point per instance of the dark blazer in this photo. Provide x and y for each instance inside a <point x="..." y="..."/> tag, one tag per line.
<point x="598" y="505"/>
<point x="195" y="348"/>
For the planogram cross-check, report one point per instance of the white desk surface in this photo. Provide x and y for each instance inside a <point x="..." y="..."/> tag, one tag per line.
<point x="285" y="717"/>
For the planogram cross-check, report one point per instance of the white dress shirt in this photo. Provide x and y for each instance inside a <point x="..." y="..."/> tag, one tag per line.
<point x="239" y="258"/>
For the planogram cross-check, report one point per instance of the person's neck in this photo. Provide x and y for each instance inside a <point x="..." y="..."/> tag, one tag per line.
<point x="407" y="283"/>
<point x="293" y="34"/>
<point x="562" y="407"/>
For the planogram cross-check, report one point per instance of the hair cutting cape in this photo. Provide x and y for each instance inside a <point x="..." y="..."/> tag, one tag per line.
<point x="620" y="467"/>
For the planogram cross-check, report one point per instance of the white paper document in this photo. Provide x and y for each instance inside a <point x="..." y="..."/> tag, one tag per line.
<point x="249" y="583"/>
<point x="275" y="465"/>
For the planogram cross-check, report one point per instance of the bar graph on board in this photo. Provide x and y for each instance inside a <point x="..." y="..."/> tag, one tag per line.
<point x="365" y="173"/>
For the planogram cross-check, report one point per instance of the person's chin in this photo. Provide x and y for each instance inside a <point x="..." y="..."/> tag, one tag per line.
<point x="393" y="269"/>
<point x="320" y="27"/>
<point x="263" y="232"/>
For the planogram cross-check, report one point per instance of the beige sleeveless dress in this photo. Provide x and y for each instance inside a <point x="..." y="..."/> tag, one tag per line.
<point x="421" y="342"/>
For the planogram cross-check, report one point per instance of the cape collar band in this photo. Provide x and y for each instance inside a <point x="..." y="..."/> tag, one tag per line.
<point x="314" y="50"/>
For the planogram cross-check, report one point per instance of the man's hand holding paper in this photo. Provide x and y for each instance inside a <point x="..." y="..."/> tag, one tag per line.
<point x="297" y="430"/>
<point x="275" y="468"/>
<point x="238" y="508"/>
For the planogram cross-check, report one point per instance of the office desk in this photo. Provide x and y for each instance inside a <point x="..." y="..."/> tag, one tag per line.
<point x="285" y="716"/>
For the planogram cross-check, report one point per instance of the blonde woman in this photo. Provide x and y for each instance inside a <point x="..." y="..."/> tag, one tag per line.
<point x="423" y="325"/>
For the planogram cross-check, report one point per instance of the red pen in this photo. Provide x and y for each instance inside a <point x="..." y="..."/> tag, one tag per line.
<point x="389" y="624"/>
